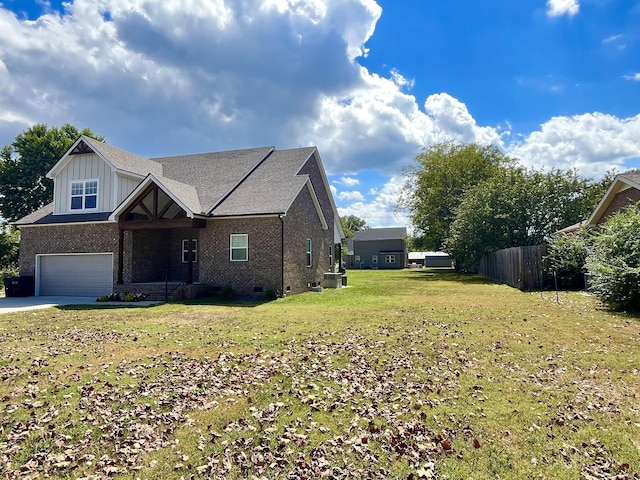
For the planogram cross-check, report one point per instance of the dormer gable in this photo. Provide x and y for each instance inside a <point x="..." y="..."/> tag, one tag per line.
<point x="93" y="177"/>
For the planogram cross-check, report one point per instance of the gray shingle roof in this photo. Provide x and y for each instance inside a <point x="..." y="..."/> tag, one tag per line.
<point x="187" y="194"/>
<point x="254" y="181"/>
<point x="213" y="174"/>
<point x="271" y="188"/>
<point x="123" y="160"/>
<point x="380" y="234"/>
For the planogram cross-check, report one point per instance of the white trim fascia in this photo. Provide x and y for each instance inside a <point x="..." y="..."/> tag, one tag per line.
<point x="150" y="178"/>
<point x="239" y="217"/>
<point x="131" y="175"/>
<point x="325" y="180"/>
<point x="66" y="159"/>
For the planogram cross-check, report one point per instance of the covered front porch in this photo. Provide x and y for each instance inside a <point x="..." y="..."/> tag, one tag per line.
<point x="158" y="245"/>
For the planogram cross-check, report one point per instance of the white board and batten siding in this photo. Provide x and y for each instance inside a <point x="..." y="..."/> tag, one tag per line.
<point x="84" y="167"/>
<point x="126" y="185"/>
<point x="83" y="274"/>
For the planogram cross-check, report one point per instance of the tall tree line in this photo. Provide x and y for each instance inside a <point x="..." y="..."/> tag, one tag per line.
<point x="469" y="200"/>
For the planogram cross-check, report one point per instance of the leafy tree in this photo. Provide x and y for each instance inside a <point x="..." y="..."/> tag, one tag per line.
<point x="416" y="244"/>
<point x="25" y="162"/>
<point x="437" y="184"/>
<point x="566" y="258"/>
<point x="352" y="224"/>
<point x="9" y="244"/>
<point x="514" y="208"/>
<point x="491" y="216"/>
<point x="614" y="261"/>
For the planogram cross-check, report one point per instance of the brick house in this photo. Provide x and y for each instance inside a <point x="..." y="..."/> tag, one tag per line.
<point x="623" y="191"/>
<point x="258" y="219"/>
<point x="378" y="248"/>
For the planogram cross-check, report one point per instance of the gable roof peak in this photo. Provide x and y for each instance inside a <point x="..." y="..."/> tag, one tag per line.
<point x="117" y="158"/>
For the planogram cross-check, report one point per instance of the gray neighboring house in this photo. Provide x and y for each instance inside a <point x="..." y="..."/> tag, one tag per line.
<point x="258" y="219"/>
<point x="378" y="248"/>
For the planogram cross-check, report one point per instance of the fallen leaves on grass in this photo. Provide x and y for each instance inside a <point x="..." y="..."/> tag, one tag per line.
<point x="378" y="394"/>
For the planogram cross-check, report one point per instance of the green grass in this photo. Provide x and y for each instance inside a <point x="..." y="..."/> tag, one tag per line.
<point x="401" y="375"/>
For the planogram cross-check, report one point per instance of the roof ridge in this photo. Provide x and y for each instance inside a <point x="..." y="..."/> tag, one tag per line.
<point x="226" y="195"/>
<point x="221" y="152"/>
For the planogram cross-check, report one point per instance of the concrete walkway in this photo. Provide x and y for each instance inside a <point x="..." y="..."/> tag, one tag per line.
<point x="23" y="304"/>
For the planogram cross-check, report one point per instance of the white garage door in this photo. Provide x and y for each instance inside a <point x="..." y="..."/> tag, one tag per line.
<point x="76" y="275"/>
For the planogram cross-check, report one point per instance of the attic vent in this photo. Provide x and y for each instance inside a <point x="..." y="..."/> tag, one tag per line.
<point x="81" y="148"/>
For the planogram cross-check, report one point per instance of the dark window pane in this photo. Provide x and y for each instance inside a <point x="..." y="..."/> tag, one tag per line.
<point x="90" y="201"/>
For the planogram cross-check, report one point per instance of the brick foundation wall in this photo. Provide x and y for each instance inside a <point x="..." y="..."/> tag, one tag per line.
<point x="84" y="238"/>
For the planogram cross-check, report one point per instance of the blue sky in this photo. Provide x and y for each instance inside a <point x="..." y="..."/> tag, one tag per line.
<point x="555" y="83"/>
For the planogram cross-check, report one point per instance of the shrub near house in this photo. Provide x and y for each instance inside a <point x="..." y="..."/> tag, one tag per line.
<point x="614" y="261"/>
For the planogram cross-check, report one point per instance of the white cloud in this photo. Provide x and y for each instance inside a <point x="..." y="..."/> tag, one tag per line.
<point x="612" y="38"/>
<point x="349" y="181"/>
<point x="177" y="76"/>
<point x="381" y="212"/>
<point x="593" y="143"/>
<point x="635" y="77"/>
<point x="211" y="74"/>
<point x="400" y="80"/>
<point x="351" y="196"/>
<point x="377" y="126"/>
<point x="156" y="77"/>
<point x="557" y="8"/>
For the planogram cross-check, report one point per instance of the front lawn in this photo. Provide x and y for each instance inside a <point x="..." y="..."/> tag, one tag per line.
<point x="405" y="374"/>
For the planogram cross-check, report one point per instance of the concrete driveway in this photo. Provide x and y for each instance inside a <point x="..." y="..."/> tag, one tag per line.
<point x="22" y="304"/>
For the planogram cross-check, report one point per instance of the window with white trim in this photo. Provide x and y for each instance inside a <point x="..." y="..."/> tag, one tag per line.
<point x="374" y="259"/>
<point x="185" y="250"/>
<point x="309" y="258"/>
<point x="84" y="195"/>
<point x="390" y="259"/>
<point x="239" y="247"/>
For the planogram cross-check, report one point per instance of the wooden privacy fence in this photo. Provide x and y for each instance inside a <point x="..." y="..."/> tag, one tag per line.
<point x="518" y="267"/>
